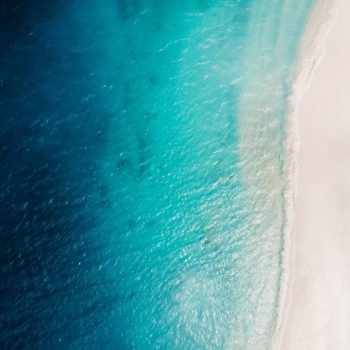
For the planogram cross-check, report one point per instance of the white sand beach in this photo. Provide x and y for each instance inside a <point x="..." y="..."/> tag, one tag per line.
<point x="318" y="312"/>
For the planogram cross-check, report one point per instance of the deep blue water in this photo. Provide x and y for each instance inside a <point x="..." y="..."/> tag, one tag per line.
<point x="142" y="152"/>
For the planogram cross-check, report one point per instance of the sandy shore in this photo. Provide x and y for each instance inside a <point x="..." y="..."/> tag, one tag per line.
<point x="318" y="316"/>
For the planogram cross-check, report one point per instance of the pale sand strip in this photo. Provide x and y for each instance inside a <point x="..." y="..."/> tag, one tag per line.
<point x="319" y="307"/>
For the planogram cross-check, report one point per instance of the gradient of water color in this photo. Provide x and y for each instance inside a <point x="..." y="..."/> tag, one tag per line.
<point x="142" y="147"/>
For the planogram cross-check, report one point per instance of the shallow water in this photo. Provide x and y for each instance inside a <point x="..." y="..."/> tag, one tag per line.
<point x="142" y="147"/>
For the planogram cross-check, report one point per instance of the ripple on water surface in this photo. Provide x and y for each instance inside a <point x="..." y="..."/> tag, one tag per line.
<point x="142" y="197"/>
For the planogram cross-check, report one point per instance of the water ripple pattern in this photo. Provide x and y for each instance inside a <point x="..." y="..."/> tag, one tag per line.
<point x="142" y="176"/>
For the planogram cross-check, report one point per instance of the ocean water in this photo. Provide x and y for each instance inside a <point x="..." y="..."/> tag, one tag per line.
<point x="142" y="171"/>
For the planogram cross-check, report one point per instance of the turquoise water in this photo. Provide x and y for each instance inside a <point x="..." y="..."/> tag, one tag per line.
<point x="195" y="175"/>
<point x="155" y="131"/>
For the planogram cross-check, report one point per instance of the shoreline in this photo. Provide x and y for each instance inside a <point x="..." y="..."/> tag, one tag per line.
<point x="310" y="54"/>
